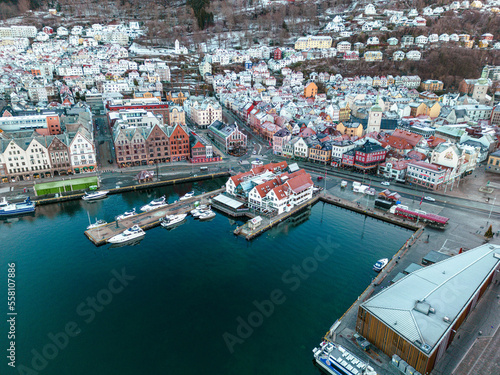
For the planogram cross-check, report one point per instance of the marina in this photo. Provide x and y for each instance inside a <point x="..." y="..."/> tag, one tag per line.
<point x="178" y="275"/>
<point x="145" y="220"/>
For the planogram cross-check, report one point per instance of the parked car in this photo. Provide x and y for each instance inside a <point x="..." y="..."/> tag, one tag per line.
<point x="385" y="183"/>
<point x="254" y="152"/>
<point x="430" y="199"/>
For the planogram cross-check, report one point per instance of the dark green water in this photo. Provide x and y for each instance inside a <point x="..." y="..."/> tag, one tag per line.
<point x="191" y="287"/>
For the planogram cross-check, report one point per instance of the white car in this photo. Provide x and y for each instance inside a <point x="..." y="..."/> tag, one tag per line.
<point x="254" y="152"/>
<point x="385" y="183"/>
<point x="430" y="199"/>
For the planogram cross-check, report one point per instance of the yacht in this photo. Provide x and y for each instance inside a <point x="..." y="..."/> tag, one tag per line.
<point x="98" y="223"/>
<point x="171" y="220"/>
<point x="11" y="209"/>
<point x="95" y="195"/>
<point x="198" y="212"/>
<point x="187" y="196"/>
<point x="154" y="204"/>
<point x="381" y="263"/>
<point x="207" y="215"/>
<point x="128" y="235"/>
<point x="126" y="214"/>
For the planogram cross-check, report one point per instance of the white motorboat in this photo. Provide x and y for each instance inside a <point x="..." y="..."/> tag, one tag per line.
<point x="381" y="263"/>
<point x="187" y="196"/>
<point x="126" y="214"/>
<point x="95" y="195"/>
<point x="11" y="209"/>
<point x="154" y="204"/>
<point x="198" y="212"/>
<point x="128" y="235"/>
<point x="98" y="223"/>
<point x="207" y="215"/>
<point x="171" y="220"/>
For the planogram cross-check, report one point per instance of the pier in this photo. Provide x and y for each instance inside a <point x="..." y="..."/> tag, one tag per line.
<point x="268" y="223"/>
<point x="146" y="220"/>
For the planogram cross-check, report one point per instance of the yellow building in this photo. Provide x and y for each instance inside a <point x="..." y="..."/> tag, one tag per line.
<point x="493" y="162"/>
<point x="373" y="56"/>
<point x="350" y="129"/>
<point x="310" y="41"/>
<point x="345" y="112"/>
<point x="432" y="85"/>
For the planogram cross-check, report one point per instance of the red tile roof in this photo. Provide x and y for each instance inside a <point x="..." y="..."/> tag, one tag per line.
<point x="237" y="179"/>
<point x="410" y="137"/>
<point x="280" y="192"/>
<point x="264" y="188"/>
<point x="300" y="183"/>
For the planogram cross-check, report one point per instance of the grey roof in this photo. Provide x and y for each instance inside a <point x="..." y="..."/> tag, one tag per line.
<point x="423" y="306"/>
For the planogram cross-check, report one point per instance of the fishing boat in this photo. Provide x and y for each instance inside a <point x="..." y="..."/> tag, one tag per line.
<point x="171" y="220"/>
<point x="187" y="196"/>
<point x="126" y="214"/>
<point x="132" y="233"/>
<point x="90" y="196"/>
<point x="154" y="204"/>
<point x="207" y="215"/>
<point x="11" y="209"/>
<point x="98" y="223"/>
<point x="381" y="263"/>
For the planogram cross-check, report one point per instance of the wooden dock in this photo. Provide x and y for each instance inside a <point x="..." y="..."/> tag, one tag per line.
<point x="268" y="223"/>
<point x="384" y="216"/>
<point x="146" y="220"/>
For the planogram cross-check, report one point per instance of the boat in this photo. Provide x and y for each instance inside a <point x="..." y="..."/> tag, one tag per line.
<point x="11" y="209"/>
<point x="171" y="220"/>
<point x="98" y="223"/>
<point x="381" y="263"/>
<point x="207" y="215"/>
<point x="198" y="212"/>
<point x="154" y="204"/>
<point x="126" y="214"/>
<point x="95" y="195"/>
<point x="334" y="359"/>
<point x="128" y="235"/>
<point x="187" y="196"/>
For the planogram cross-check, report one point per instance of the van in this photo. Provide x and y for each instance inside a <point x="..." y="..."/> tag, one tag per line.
<point x="203" y="168"/>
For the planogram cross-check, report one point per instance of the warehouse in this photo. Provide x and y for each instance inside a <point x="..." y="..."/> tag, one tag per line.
<point x="417" y="318"/>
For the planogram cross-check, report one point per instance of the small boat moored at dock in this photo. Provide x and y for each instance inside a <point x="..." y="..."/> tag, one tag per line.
<point x="206" y="215"/>
<point x="11" y="209"/>
<point x="381" y="263"/>
<point x="132" y="233"/>
<point x="90" y="196"/>
<point x="155" y="203"/>
<point x="171" y="220"/>
<point x="98" y="223"/>
<point x="126" y="214"/>
<point x="187" y="196"/>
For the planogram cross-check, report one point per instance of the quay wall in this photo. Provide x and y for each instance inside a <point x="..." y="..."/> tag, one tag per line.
<point x="124" y="189"/>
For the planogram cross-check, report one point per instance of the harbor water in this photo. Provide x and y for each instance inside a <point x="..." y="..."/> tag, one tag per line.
<point x="191" y="300"/>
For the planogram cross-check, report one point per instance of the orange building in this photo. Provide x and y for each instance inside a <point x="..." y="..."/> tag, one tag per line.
<point x="54" y="124"/>
<point x="311" y="90"/>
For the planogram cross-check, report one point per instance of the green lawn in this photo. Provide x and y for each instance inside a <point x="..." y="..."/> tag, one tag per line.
<point x="66" y="185"/>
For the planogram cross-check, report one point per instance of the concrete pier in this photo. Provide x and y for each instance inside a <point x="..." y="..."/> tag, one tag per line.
<point x="146" y="220"/>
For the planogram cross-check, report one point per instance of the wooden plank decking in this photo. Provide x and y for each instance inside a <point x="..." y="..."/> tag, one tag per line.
<point x="146" y="220"/>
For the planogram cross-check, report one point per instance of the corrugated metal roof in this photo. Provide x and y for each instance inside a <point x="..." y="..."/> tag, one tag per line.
<point x="446" y="286"/>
